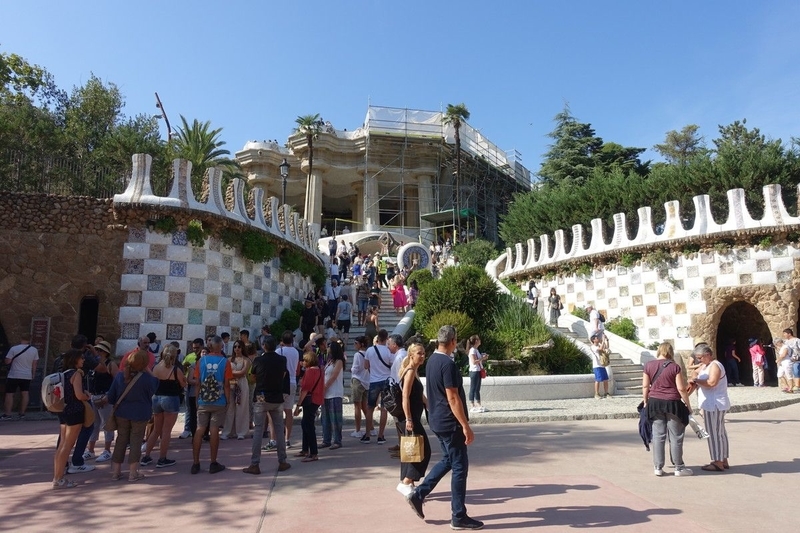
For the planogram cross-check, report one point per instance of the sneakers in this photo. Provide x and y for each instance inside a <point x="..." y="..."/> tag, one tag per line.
<point x="21" y="417"/>
<point x="252" y="469"/>
<point x="103" y="457"/>
<point x="87" y="455"/>
<point x="271" y="446"/>
<point x="607" y="395"/>
<point x="394" y="448"/>
<point x="240" y="437"/>
<point x="283" y="467"/>
<point x="466" y="523"/>
<point x="185" y="435"/>
<point x="64" y="483"/>
<point x="682" y="472"/>
<point x="195" y="468"/>
<point x="365" y="439"/>
<point x="146" y="461"/>
<point x="8" y="417"/>
<point x="381" y="440"/>
<point x="404" y="489"/>
<point x="415" y="503"/>
<point x="703" y="434"/>
<point x="223" y="437"/>
<point x="215" y="467"/>
<point x="80" y="469"/>
<point x="658" y="472"/>
<point x="165" y="462"/>
<point x="357" y="434"/>
<point x="374" y="433"/>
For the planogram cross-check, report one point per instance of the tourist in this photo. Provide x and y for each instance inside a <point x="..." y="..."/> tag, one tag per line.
<point x="668" y="408"/>
<point x="359" y="384"/>
<point x="414" y="403"/>
<point x="378" y="361"/>
<point x="213" y="374"/>
<point x="332" y="417"/>
<point x="333" y="294"/>
<point x="362" y="298"/>
<point x="22" y="360"/>
<point x="334" y="268"/>
<point x="476" y="361"/>
<point x="413" y="293"/>
<point x="287" y="350"/>
<point x="794" y="354"/>
<point x="600" y="372"/>
<point x="375" y="295"/>
<point x="344" y="315"/>
<point x="237" y="418"/>
<point x="554" y="307"/>
<point x="399" y="298"/>
<point x="131" y="395"/>
<point x="371" y="326"/>
<point x="713" y="398"/>
<point x="311" y="397"/>
<point x="732" y="361"/>
<point x="784" y="363"/>
<point x="103" y="377"/>
<point x="71" y="418"/>
<point x="448" y="419"/>
<point x="166" y="405"/>
<point x="757" y="358"/>
<point x="308" y="319"/>
<point x="532" y="296"/>
<point x="189" y="362"/>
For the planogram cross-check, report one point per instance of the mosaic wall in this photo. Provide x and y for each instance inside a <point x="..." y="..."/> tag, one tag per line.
<point x="182" y="292"/>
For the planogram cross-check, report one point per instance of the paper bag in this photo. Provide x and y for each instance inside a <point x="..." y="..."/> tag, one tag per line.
<point x="412" y="448"/>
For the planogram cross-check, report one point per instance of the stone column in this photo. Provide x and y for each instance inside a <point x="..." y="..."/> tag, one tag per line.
<point x="260" y="180"/>
<point x="313" y="206"/>
<point x="410" y="207"/>
<point x="358" y="205"/>
<point x="372" y="219"/>
<point x="426" y="205"/>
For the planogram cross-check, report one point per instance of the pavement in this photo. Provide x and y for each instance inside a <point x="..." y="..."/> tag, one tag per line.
<point x="537" y="466"/>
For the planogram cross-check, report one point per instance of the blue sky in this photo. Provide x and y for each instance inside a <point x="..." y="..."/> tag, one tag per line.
<point x="633" y="69"/>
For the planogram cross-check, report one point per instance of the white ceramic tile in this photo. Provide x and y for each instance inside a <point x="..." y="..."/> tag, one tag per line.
<point x="210" y="317"/>
<point x="765" y="278"/>
<point x="225" y="304"/>
<point x="156" y="267"/>
<point x="179" y="253"/>
<point x="782" y="264"/>
<point x="175" y="316"/>
<point x="728" y="280"/>
<point x="213" y="287"/>
<point x="213" y="258"/>
<point x="195" y="301"/>
<point x="226" y="275"/>
<point x="124" y="346"/>
<point x="154" y="237"/>
<point x="131" y="315"/>
<point x="237" y="291"/>
<point x="136" y="250"/>
<point x="196" y="270"/>
<point x="133" y="282"/>
<point x="175" y="284"/>
<point x="155" y="299"/>
<point x="194" y="331"/>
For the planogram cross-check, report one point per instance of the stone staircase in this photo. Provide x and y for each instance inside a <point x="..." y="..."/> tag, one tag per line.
<point x="627" y="375"/>
<point x="387" y="319"/>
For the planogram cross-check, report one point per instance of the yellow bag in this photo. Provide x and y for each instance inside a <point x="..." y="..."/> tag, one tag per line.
<point x="412" y="448"/>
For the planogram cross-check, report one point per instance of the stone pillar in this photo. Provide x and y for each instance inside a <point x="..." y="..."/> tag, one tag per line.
<point x="426" y="205"/>
<point x="358" y="205"/>
<point x="313" y="206"/>
<point x="372" y="221"/>
<point x="410" y="207"/>
<point x="260" y="180"/>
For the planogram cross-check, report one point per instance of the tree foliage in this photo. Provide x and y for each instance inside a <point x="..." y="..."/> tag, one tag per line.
<point x="477" y="252"/>
<point x="202" y="146"/>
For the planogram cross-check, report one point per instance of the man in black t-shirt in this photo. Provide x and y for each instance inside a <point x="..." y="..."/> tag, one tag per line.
<point x="272" y="383"/>
<point x="447" y="417"/>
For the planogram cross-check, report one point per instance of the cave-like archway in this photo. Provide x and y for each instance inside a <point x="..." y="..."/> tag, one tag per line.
<point x="740" y="322"/>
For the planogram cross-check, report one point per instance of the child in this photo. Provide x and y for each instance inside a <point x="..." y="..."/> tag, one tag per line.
<point x="757" y="357"/>
<point x="600" y="372"/>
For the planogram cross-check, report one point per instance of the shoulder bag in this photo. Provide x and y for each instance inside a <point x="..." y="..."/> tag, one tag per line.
<point x="111" y="423"/>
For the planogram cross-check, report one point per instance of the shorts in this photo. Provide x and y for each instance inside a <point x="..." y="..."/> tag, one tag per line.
<point x="290" y="399"/>
<point x="358" y="393"/>
<point x="211" y="415"/>
<point x="344" y="325"/>
<point x="796" y="369"/>
<point x="362" y="305"/>
<point x="15" y="384"/>
<point x="73" y="417"/>
<point x="785" y="369"/>
<point x="600" y="374"/>
<point x="166" y="404"/>
<point x="375" y="392"/>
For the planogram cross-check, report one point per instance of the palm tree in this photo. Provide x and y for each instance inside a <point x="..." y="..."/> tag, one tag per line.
<point x="455" y="115"/>
<point x="310" y="126"/>
<point x="201" y="145"/>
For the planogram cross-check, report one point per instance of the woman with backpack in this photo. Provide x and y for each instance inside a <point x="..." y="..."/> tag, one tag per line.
<point x="71" y="418"/>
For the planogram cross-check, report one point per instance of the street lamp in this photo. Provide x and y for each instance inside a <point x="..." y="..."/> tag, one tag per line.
<point x="284" y="166"/>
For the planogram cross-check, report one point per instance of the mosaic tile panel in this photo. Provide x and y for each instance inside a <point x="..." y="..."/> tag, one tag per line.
<point x="267" y="271"/>
<point x="694" y="296"/>
<point x="197" y="285"/>
<point x="680" y="308"/>
<point x="612" y="303"/>
<point x="179" y="238"/>
<point x="780" y="251"/>
<point x="601" y="294"/>
<point x="590" y="285"/>
<point x="706" y="258"/>
<point x="281" y="300"/>
<point x="654" y="333"/>
<point x="652" y="310"/>
<point x="214" y="245"/>
<point x="256" y="308"/>
<point x="763" y="265"/>
<point x="177" y="269"/>
<point x="158" y="251"/>
<point x="639" y="322"/>
<point x="129" y="331"/>
<point x="257" y="282"/>
<point x="248" y="267"/>
<point x="726" y="268"/>
<point x="621" y="270"/>
<point x="195" y="316"/>
<point x="213" y="273"/>
<point x="745" y="279"/>
<point x="710" y="282"/>
<point x="683" y="332"/>
<point x="692" y="271"/>
<point x="237" y="306"/>
<point x="637" y="300"/>
<point x="246" y="321"/>
<point x="579" y="296"/>
<point x="570" y="288"/>
<point x="663" y="298"/>
<point x="649" y="288"/>
<point x="211" y="331"/>
<point x="174" y="332"/>
<point x="212" y="302"/>
<point x="666" y="321"/>
<point x="784" y="277"/>
<point x="153" y="315"/>
<point x="677" y="284"/>
<point x="224" y="318"/>
<point x="133" y="298"/>
<point x="237" y="278"/>
<point x="227" y="261"/>
<point x="177" y="299"/>
<point x="742" y="254"/>
<point x="623" y="291"/>
<point x="611" y="282"/>
<point x="137" y="235"/>
<point x="225" y="291"/>
<point x="134" y="266"/>
<point x="248" y="294"/>
<point x="636" y="278"/>
<point x="156" y="283"/>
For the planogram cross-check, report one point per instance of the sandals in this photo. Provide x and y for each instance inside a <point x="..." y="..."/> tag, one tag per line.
<point x="301" y="454"/>
<point x="711" y="467"/>
<point x="64" y="483"/>
<point x="137" y="477"/>
<point x="309" y="459"/>
<point x="116" y="477"/>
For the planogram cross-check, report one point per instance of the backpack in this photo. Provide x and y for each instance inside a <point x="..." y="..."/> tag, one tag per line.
<point x="605" y="360"/>
<point x="601" y="317"/>
<point x="209" y="389"/>
<point x="392" y="399"/>
<point x="53" y="391"/>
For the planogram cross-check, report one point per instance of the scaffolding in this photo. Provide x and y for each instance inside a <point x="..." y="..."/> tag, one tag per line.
<point x="401" y="143"/>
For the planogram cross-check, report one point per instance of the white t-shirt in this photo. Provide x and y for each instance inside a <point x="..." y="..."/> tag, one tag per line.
<point x="22" y="366"/>
<point x="794" y="345"/>
<point x="358" y="371"/>
<point x="336" y="390"/>
<point x="595" y="355"/>
<point x="292" y="359"/>
<point x="377" y="370"/>
<point x="594" y="322"/>
<point x="476" y="366"/>
<point x="398" y="361"/>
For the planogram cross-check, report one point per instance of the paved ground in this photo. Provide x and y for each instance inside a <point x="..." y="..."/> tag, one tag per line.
<point x="534" y="476"/>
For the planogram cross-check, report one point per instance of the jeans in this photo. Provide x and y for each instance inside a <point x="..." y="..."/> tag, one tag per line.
<point x="332" y="420"/>
<point x="732" y="371"/>
<point x="275" y="412"/>
<point x="475" y="386"/>
<point x="455" y="458"/>
<point x="661" y="425"/>
<point x="80" y="444"/>
<point x="309" y="430"/>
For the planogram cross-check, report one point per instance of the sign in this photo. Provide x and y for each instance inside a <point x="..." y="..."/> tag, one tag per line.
<point x="40" y="339"/>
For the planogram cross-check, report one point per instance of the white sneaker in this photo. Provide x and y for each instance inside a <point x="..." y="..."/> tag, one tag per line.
<point x="185" y="435"/>
<point x="80" y="469"/>
<point x="240" y="437"/>
<point x="404" y="489"/>
<point x="223" y="437"/>
<point x="658" y="472"/>
<point x="481" y="409"/>
<point x="374" y="433"/>
<point x="357" y="434"/>
<point x="103" y="457"/>
<point x="144" y="447"/>
<point x="87" y="455"/>
<point x="684" y="472"/>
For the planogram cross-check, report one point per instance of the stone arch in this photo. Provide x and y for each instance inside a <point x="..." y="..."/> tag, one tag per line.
<point x="739" y="322"/>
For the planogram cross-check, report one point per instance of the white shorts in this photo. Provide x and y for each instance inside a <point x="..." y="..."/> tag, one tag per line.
<point x="290" y="399"/>
<point x="785" y="369"/>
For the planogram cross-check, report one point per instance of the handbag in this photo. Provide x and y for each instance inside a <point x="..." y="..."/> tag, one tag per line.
<point x="88" y="414"/>
<point x="111" y="423"/>
<point x="412" y="448"/>
<point x="483" y="373"/>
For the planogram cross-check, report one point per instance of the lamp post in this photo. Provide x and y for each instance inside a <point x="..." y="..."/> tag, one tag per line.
<point x="284" y="166"/>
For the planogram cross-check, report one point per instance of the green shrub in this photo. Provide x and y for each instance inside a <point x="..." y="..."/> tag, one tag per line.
<point x="166" y="225"/>
<point x="622" y="326"/>
<point x="580" y="312"/>
<point x="629" y="259"/>
<point x="563" y="358"/>
<point x="463" y="324"/>
<point x="422" y="276"/>
<point x="297" y="307"/>
<point x="256" y="246"/>
<point x="195" y="233"/>
<point x="475" y="253"/>
<point x="465" y="288"/>
<point x="512" y="286"/>
<point x="295" y="261"/>
<point x="515" y="325"/>
<point x="584" y="269"/>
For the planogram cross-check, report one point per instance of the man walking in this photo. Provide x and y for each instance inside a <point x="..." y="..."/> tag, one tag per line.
<point x="22" y="359"/>
<point x="378" y="360"/>
<point x="213" y="373"/>
<point x="287" y="350"/>
<point x="448" y="419"/>
<point x="269" y="391"/>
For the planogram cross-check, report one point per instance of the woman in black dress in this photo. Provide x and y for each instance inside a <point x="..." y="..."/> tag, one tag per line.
<point x="71" y="418"/>
<point x="414" y="403"/>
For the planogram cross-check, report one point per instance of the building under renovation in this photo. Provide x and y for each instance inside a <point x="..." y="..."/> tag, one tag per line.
<point x="394" y="173"/>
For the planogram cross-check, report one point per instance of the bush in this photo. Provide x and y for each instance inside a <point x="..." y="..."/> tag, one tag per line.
<point x="422" y="277"/>
<point x="515" y="325"/>
<point x="466" y="288"/>
<point x="581" y="313"/>
<point x="475" y="253"/>
<point x="463" y="324"/>
<point x="563" y="358"/>
<point x="624" y="327"/>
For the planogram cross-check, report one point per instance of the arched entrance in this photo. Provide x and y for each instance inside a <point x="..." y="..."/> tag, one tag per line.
<point x="739" y="323"/>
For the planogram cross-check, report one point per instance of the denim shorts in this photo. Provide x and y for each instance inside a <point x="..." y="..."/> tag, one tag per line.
<point x="600" y="374"/>
<point x="166" y="404"/>
<point x="796" y="369"/>
<point x="375" y="392"/>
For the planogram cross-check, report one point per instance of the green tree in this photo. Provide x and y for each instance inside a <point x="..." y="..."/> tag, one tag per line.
<point x="92" y="114"/>
<point x="570" y="156"/>
<point x="477" y="252"/>
<point x="455" y="115"/>
<point x="201" y="145"/>
<point x="681" y="146"/>
<point x="309" y="126"/>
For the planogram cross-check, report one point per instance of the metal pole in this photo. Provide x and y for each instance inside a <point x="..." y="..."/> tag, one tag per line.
<point x="283" y="202"/>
